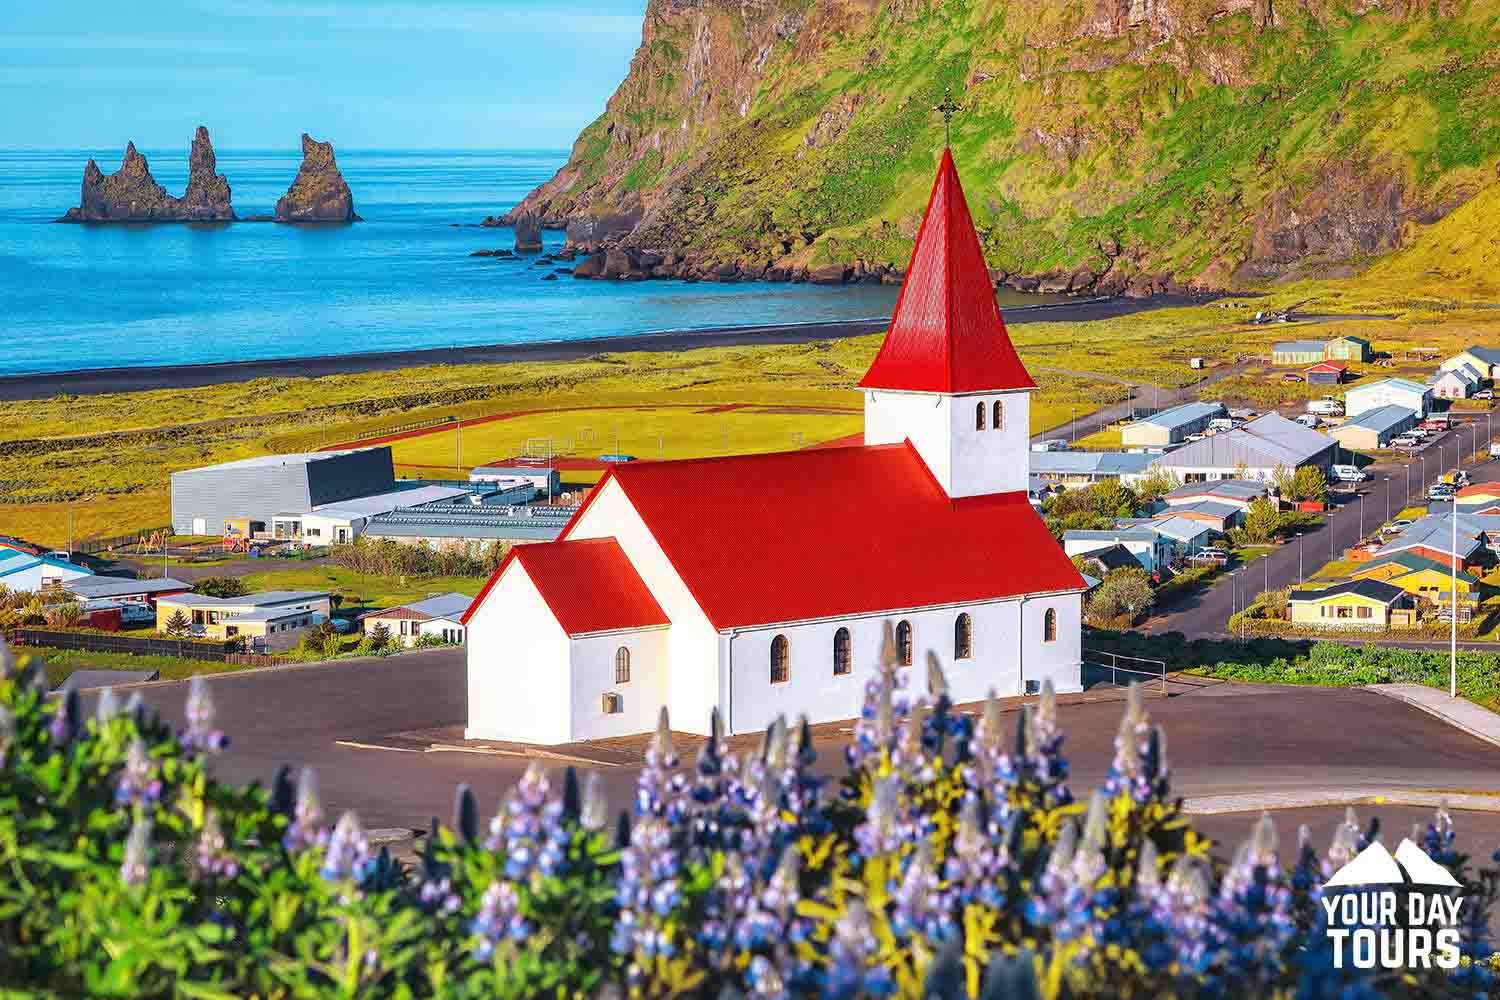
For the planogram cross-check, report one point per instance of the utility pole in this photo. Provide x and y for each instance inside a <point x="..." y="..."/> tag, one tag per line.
<point x="1453" y="605"/>
<point x="1361" y="515"/>
<point x="1300" y="538"/>
<point x="458" y="448"/>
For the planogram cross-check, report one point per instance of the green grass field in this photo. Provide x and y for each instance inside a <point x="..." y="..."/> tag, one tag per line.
<point x="362" y="590"/>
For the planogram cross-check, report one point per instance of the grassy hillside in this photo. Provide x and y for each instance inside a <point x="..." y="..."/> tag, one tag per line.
<point x="1227" y="142"/>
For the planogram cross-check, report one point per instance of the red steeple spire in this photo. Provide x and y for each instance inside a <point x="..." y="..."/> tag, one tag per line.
<point x="946" y="334"/>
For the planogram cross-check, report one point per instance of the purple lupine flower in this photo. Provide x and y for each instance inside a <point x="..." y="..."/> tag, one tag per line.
<point x="211" y="854"/>
<point x="852" y="970"/>
<point x="1251" y="920"/>
<point x="594" y="814"/>
<point x="499" y="919"/>
<point x="136" y="866"/>
<point x="107" y="708"/>
<point x="436" y="895"/>
<point x="200" y="736"/>
<point x="7" y="661"/>
<point x="1044" y="757"/>
<point x="880" y="832"/>
<point x="1182" y="907"/>
<point x="347" y="855"/>
<point x="62" y="726"/>
<point x="915" y="911"/>
<point x="648" y="890"/>
<point x="138" y="783"/>
<point x="306" y="828"/>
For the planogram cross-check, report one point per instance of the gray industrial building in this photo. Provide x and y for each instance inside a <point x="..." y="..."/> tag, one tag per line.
<point x="451" y="526"/>
<point x="1170" y="426"/>
<point x="259" y="488"/>
<point x="1254" y="451"/>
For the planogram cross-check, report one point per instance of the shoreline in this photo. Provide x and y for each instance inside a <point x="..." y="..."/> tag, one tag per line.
<point x="97" y="381"/>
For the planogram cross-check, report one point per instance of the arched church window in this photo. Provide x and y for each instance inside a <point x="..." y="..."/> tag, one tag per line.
<point x="1049" y="625"/>
<point x="903" y="643"/>
<point x="781" y="669"/>
<point x="963" y="638"/>
<point x="998" y="423"/>
<point x="843" y="652"/>
<point x="979" y="416"/>
<point x="622" y="665"/>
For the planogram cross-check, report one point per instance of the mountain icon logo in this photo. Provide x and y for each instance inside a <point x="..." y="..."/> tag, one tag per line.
<point x="1376" y="866"/>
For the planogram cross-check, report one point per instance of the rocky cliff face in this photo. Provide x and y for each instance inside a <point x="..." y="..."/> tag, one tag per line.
<point x="131" y="194"/>
<point x="1108" y="145"/>
<point x="319" y="192"/>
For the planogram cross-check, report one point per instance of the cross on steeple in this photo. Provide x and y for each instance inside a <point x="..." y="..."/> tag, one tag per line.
<point x="948" y="109"/>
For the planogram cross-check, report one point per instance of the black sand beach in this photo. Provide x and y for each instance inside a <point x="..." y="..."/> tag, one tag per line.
<point x="94" y="381"/>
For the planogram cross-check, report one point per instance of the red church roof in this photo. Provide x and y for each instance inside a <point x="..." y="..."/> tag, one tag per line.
<point x="759" y="539"/>
<point x="946" y="334"/>
<point x="589" y="585"/>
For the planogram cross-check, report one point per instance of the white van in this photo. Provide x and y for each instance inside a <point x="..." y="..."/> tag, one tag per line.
<point x="1326" y="407"/>
<point x="1308" y="419"/>
<point x="1346" y="474"/>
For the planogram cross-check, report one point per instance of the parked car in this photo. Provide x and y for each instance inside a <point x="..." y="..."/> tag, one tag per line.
<point x="1326" y="407"/>
<point x="1418" y="432"/>
<point x="1309" y="419"/>
<point x="1395" y="527"/>
<point x="1485" y="394"/>
<point x="1405" y="441"/>
<point x="1289" y="377"/>
<point x="1495" y="450"/>
<point x="1441" y="491"/>
<point x="1196" y="437"/>
<point x="1347" y="474"/>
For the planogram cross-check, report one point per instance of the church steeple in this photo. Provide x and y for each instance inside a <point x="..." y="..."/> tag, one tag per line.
<point x="946" y="334"/>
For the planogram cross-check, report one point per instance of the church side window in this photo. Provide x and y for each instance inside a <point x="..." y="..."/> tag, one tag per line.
<point x="1049" y="625"/>
<point x="903" y="643"/>
<point x="998" y="423"/>
<point x="613" y="704"/>
<point x="979" y="416"/>
<point x="622" y="666"/>
<point x="843" y="654"/>
<point x="781" y="669"/>
<point x="963" y="638"/>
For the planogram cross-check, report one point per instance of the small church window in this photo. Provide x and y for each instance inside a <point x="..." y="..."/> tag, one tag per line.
<point x="781" y="670"/>
<point x="843" y="653"/>
<point x="963" y="638"/>
<point x="622" y="666"/>
<point x="613" y="704"/>
<point x="998" y="423"/>
<point x="979" y="416"/>
<point x="1049" y="625"/>
<point x="903" y="643"/>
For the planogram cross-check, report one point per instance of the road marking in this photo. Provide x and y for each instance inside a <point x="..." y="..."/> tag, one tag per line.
<point x="357" y="745"/>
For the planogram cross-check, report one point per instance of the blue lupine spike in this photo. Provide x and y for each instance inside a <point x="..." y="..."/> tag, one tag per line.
<point x="1010" y="977"/>
<point x="945" y="975"/>
<point x="622" y="830"/>
<point x="283" y="791"/>
<point x="466" y="814"/>
<point x="571" y="802"/>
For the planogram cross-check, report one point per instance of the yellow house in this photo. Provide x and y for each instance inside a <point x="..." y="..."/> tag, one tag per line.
<point x="1420" y="577"/>
<point x="1357" y="604"/>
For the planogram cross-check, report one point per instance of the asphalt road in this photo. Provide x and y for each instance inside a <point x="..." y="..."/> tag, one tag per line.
<point x="1361" y="512"/>
<point x="1229" y="739"/>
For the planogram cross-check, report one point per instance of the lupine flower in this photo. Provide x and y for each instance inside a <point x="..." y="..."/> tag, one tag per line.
<point x="595" y="812"/>
<point x="347" y="855"/>
<point x="648" y="890"/>
<point x="200" y="735"/>
<point x="107" y="707"/>
<point x="528" y="829"/>
<point x="137" y="864"/>
<point x="499" y="919"/>
<point x="138" y="783"/>
<point x="211" y="855"/>
<point x="436" y="895"/>
<point x="63" y="729"/>
<point x="7" y="661"/>
<point x="852" y="972"/>
<point x="306" y="828"/>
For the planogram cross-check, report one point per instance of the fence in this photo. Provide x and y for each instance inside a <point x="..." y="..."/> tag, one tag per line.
<point x="1157" y="671"/>
<point x="415" y="425"/>
<point x="229" y="651"/>
<point x="89" y="546"/>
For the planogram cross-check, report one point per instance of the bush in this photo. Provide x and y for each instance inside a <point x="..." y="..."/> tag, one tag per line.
<point x="177" y="624"/>
<point x="384" y="557"/>
<point x="1124" y="594"/>
<point x="220" y="586"/>
<point x="950" y="860"/>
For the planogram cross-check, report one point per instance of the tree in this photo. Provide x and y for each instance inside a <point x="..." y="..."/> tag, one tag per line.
<point x="177" y="624"/>
<point x="1285" y="481"/>
<point x="220" y="586"/>
<point x="1125" y="593"/>
<point x="1157" y="484"/>
<point x="380" y="635"/>
<point x="1261" y="520"/>
<point x="1309" y="483"/>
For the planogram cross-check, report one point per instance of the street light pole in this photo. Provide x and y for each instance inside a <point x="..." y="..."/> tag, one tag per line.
<point x="1453" y="606"/>
<point x="1300" y="538"/>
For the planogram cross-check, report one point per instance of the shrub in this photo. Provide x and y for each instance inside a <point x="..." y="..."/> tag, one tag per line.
<point x="950" y="860"/>
<point x="220" y="586"/>
<point x="177" y="624"/>
<point x="1123" y="594"/>
<point x="384" y="557"/>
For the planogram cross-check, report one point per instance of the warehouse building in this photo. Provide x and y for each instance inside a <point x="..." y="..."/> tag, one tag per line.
<point x="257" y="489"/>
<point x="342" y="522"/>
<point x="1254" y="451"/>
<point x="449" y="527"/>
<point x="1171" y="426"/>
<point x="546" y="479"/>
<point x="1374" y="429"/>
<point x="1398" y="391"/>
<point x="1080" y="468"/>
<point x="1307" y="352"/>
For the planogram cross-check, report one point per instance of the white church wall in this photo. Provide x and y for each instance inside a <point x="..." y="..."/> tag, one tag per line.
<point x="593" y="658"/>
<point x="517" y="666"/>
<point x="925" y="418"/>
<point x="813" y="688"/>
<point x="692" y="685"/>
<point x="991" y="461"/>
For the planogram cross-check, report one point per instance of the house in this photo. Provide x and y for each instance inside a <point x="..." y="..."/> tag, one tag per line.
<point x="1348" y="348"/>
<point x="342" y="522"/>
<point x="1153" y="551"/>
<point x="1327" y="373"/>
<point x="547" y="480"/>
<point x="440" y="616"/>
<point x="1081" y="468"/>
<point x="1258" y="450"/>
<point x="1104" y="561"/>
<point x="451" y="527"/>
<point x="1239" y="493"/>
<point x="25" y="569"/>
<point x="1387" y="392"/>
<point x="1482" y="359"/>
<point x="1432" y="537"/>
<point x="1374" y="429"/>
<point x="761" y="585"/>
<point x="1459" y="382"/>
<point x="1170" y="426"/>
<point x="1423" y="578"/>
<point x="268" y="621"/>
<point x="132" y="599"/>
<point x="1214" y="514"/>
<point x="1298" y="352"/>
<point x="1355" y="604"/>
<point x="256" y="489"/>
<point x="1478" y="493"/>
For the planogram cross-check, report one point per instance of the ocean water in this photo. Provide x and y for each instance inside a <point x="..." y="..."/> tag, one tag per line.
<point x="74" y="297"/>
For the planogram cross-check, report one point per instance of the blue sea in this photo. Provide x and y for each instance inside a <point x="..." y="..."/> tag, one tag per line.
<point x="76" y="297"/>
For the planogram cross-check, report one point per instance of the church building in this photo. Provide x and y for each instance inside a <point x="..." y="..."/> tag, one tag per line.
<point x="760" y="584"/>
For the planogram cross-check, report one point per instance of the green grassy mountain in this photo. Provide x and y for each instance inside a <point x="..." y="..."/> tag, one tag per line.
<point x="1104" y="144"/>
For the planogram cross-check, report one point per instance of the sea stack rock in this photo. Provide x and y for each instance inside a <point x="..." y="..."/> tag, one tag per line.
<point x="528" y="234"/>
<point x="131" y="194"/>
<point x="319" y="193"/>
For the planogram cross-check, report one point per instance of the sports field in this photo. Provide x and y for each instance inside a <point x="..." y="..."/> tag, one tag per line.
<point x="577" y="438"/>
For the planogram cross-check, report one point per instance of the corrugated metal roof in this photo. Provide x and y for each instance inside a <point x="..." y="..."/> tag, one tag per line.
<point x="1395" y="383"/>
<point x="1098" y="463"/>
<point x="1380" y="419"/>
<point x="1298" y="347"/>
<point x="384" y="503"/>
<point x="1264" y="442"/>
<point x="1184" y="414"/>
<point x="1385" y="593"/>
<point x="1234" y="489"/>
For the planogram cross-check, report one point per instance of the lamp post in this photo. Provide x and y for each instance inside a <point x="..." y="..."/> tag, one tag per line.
<point x="1300" y="538"/>
<point x="1453" y="606"/>
<point x="1073" y="421"/>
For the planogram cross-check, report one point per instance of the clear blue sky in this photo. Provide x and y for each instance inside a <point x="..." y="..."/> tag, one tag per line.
<point x="362" y="73"/>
